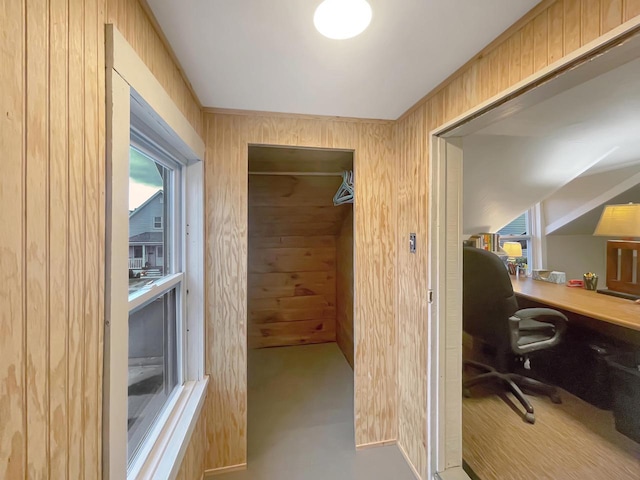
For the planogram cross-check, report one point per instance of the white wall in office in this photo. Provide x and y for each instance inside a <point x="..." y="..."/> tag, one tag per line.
<point x="582" y="190"/>
<point x="577" y="254"/>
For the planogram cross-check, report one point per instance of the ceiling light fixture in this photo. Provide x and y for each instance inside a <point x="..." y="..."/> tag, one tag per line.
<point x="342" y="19"/>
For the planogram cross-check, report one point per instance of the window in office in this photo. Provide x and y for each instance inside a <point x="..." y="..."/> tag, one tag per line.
<point x="155" y="291"/>
<point x="519" y="230"/>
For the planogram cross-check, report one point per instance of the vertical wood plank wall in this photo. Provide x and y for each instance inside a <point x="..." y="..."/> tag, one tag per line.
<point x="192" y="467"/>
<point x="52" y="238"/>
<point x="132" y="21"/>
<point x="552" y="30"/>
<point x="344" y="288"/>
<point x="52" y="192"/>
<point x="227" y="139"/>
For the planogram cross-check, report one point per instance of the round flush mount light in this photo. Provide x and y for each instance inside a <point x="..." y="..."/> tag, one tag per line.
<point x="342" y="19"/>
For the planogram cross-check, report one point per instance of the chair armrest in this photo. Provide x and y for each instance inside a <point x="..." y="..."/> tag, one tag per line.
<point x="547" y="315"/>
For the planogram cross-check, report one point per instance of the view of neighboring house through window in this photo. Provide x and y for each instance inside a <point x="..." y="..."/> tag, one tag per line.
<point x="519" y="230"/>
<point x="155" y="290"/>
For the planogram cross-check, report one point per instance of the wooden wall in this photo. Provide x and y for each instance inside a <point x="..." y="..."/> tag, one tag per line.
<point x="291" y="290"/>
<point x="192" y="467"/>
<point x="52" y="257"/>
<point x="132" y="20"/>
<point x="552" y="30"/>
<point x="292" y="259"/>
<point x="344" y="287"/>
<point x="51" y="239"/>
<point x="227" y="137"/>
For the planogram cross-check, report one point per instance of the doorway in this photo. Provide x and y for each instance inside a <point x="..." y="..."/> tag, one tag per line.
<point x="300" y="333"/>
<point x="452" y="149"/>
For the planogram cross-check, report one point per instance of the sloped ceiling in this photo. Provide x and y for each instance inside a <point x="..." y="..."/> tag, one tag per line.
<point x="519" y="161"/>
<point x="267" y="55"/>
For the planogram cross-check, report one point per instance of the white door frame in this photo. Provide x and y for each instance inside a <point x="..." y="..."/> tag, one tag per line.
<point x="444" y="418"/>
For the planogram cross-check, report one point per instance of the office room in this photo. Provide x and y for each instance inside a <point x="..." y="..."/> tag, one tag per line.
<point x="163" y="282"/>
<point x="550" y="189"/>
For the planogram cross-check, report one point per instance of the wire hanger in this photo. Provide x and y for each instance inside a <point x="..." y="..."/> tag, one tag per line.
<point x="345" y="190"/>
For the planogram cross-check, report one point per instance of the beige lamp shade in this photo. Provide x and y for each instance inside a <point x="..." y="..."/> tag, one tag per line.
<point x="512" y="249"/>
<point x="619" y="221"/>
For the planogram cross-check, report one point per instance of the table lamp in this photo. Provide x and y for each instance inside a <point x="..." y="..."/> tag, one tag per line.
<point x="513" y="250"/>
<point x="623" y="256"/>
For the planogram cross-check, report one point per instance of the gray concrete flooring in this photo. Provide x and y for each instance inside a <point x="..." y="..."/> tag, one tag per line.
<point x="300" y="416"/>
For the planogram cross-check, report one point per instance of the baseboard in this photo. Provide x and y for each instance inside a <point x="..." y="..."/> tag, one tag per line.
<point x="383" y="443"/>
<point x="406" y="458"/>
<point x="219" y="471"/>
<point x="453" y="473"/>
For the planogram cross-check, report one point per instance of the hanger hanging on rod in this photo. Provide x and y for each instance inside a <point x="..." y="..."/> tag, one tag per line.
<point x="345" y="190"/>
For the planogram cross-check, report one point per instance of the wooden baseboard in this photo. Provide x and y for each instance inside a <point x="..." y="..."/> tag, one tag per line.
<point x="406" y="457"/>
<point x="383" y="443"/>
<point x="219" y="471"/>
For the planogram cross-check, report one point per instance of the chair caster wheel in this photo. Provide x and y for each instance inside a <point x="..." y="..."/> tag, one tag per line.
<point x="530" y="417"/>
<point x="466" y="393"/>
<point x="556" y="398"/>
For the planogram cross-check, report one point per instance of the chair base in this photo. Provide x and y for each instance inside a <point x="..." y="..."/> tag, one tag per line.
<point x="515" y="383"/>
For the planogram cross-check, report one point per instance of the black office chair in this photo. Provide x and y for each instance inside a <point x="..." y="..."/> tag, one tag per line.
<point x="490" y="314"/>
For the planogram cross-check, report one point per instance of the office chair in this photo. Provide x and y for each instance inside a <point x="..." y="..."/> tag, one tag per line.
<point x="490" y="314"/>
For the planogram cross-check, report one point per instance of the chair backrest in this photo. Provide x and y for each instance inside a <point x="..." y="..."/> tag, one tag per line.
<point x="488" y="298"/>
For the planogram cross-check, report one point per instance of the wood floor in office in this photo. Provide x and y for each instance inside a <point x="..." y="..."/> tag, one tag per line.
<point x="301" y="420"/>
<point x="573" y="440"/>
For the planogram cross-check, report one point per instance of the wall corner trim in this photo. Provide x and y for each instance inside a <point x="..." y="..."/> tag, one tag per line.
<point x="122" y="58"/>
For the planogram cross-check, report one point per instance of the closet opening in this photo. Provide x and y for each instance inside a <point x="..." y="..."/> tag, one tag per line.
<point x="300" y="334"/>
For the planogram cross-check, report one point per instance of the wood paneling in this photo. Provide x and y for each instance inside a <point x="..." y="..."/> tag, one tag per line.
<point x="291" y="259"/>
<point x="52" y="258"/>
<point x="192" y="467"/>
<point x="292" y="227"/>
<point x="551" y="31"/>
<point x="412" y="308"/>
<point x="228" y="135"/>
<point x="52" y="188"/>
<point x="132" y="21"/>
<point x="344" y="288"/>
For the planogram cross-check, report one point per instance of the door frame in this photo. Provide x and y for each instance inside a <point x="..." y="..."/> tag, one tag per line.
<point x="444" y="399"/>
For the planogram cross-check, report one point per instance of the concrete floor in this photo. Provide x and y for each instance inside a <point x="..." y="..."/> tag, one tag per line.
<point x="301" y="420"/>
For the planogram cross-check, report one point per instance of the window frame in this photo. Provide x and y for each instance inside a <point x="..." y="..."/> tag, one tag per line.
<point x="527" y="238"/>
<point x="136" y="99"/>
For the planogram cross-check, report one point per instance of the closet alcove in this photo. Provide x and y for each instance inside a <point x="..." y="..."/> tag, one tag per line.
<point x="301" y="262"/>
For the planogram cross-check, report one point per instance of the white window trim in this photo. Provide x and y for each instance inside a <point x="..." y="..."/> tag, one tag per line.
<point x="127" y="78"/>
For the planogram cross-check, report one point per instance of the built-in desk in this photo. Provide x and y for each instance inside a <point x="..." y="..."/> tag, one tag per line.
<point x="588" y="303"/>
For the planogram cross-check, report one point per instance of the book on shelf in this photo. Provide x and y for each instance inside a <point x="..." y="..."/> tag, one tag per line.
<point x="486" y="241"/>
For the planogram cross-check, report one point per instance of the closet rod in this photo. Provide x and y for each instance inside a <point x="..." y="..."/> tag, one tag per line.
<point x="300" y="174"/>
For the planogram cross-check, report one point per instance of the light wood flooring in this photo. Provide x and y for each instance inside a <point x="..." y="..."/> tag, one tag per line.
<point x="301" y="420"/>
<point x="573" y="440"/>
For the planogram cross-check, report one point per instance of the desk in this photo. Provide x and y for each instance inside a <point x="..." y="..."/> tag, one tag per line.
<point x="587" y="303"/>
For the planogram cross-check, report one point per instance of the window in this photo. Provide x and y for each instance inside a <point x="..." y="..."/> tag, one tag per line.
<point x="519" y="230"/>
<point x="154" y="382"/>
<point x="155" y="291"/>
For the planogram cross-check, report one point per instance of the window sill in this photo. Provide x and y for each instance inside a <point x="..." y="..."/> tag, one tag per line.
<point x="164" y="460"/>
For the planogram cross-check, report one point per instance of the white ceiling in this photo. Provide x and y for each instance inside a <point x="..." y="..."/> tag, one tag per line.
<point x="267" y="55"/>
<point x="520" y="160"/>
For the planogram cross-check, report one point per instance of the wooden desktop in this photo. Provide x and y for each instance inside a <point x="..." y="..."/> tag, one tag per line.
<point x="603" y="313"/>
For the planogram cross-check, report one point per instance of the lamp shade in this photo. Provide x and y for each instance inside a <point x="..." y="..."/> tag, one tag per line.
<point x="512" y="249"/>
<point x="619" y="221"/>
